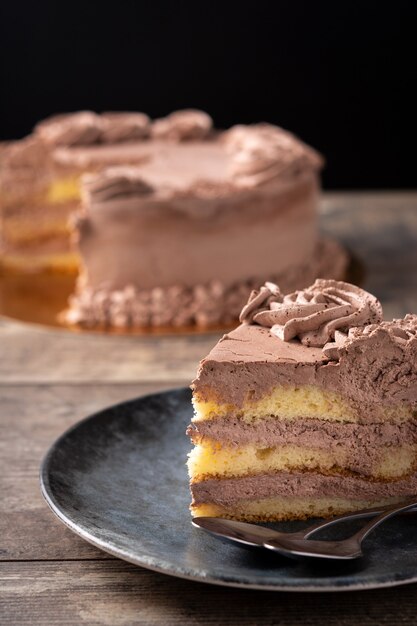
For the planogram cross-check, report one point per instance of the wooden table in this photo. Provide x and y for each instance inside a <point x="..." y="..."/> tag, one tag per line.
<point x="51" y="379"/>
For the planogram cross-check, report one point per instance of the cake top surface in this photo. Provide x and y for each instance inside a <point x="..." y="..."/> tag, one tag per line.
<point x="353" y="350"/>
<point x="329" y="321"/>
<point x="251" y="344"/>
<point x="178" y="151"/>
<point x="160" y="163"/>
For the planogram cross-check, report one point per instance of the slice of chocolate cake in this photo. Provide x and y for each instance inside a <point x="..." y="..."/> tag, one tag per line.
<point x="309" y="408"/>
<point x="180" y="221"/>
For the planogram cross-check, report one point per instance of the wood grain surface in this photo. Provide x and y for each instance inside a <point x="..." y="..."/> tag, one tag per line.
<point x="51" y="379"/>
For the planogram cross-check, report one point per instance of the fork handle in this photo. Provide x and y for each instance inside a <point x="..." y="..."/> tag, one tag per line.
<point x="363" y="513"/>
<point x="390" y="512"/>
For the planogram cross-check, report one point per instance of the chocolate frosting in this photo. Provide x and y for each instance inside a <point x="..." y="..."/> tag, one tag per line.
<point x="375" y="368"/>
<point x="23" y="167"/>
<point x="181" y="152"/>
<point x="363" y="446"/>
<point x="305" y="431"/>
<point x="121" y="127"/>
<point x="400" y="331"/>
<point x="70" y="129"/>
<point x="178" y="305"/>
<point x="314" y="314"/>
<point x="24" y="153"/>
<point x="185" y="125"/>
<point x="227" y="491"/>
<point x="86" y="128"/>
<point x="113" y="183"/>
<point x="263" y="152"/>
<point x="381" y="359"/>
<point x="175" y="225"/>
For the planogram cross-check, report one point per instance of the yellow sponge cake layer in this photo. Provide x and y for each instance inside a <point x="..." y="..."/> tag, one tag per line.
<point x="291" y="402"/>
<point x="64" y="190"/>
<point x="210" y="458"/>
<point x="63" y="263"/>
<point x="287" y="508"/>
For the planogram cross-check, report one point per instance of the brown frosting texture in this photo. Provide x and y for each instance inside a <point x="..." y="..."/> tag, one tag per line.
<point x="24" y="168"/>
<point x="70" y="129"/>
<point x="204" y="304"/>
<point x="227" y="491"/>
<point x="398" y="333"/>
<point x="185" y="125"/>
<point x="382" y="358"/>
<point x="113" y="183"/>
<point x="264" y="152"/>
<point x="86" y="128"/>
<point x="25" y="153"/>
<point x="314" y="314"/>
<point x="122" y="127"/>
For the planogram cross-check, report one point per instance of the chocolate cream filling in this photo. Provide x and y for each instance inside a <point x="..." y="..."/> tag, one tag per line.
<point x="309" y="432"/>
<point x="227" y="492"/>
<point x="362" y="446"/>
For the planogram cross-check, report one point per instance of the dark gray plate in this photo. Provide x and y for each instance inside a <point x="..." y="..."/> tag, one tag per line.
<point x="118" y="479"/>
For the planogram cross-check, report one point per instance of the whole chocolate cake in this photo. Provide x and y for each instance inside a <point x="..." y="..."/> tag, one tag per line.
<point x="178" y="221"/>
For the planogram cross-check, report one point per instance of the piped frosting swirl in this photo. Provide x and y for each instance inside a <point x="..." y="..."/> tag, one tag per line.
<point x="185" y="125"/>
<point x="258" y="154"/>
<point x="313" y="315"/>
<point x="124" y="127"/>
<point x="264" y="152"/>
<point x="398" y="332"/>
<point x="70" y="129"/>
<point x="86" y="128"/>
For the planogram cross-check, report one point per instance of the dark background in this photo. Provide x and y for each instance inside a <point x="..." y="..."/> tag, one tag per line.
<point x="339" y="74"/>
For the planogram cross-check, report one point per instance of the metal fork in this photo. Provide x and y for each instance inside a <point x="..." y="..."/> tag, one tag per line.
<point x="296" y="544"/>
<point x="350" y="548"/>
